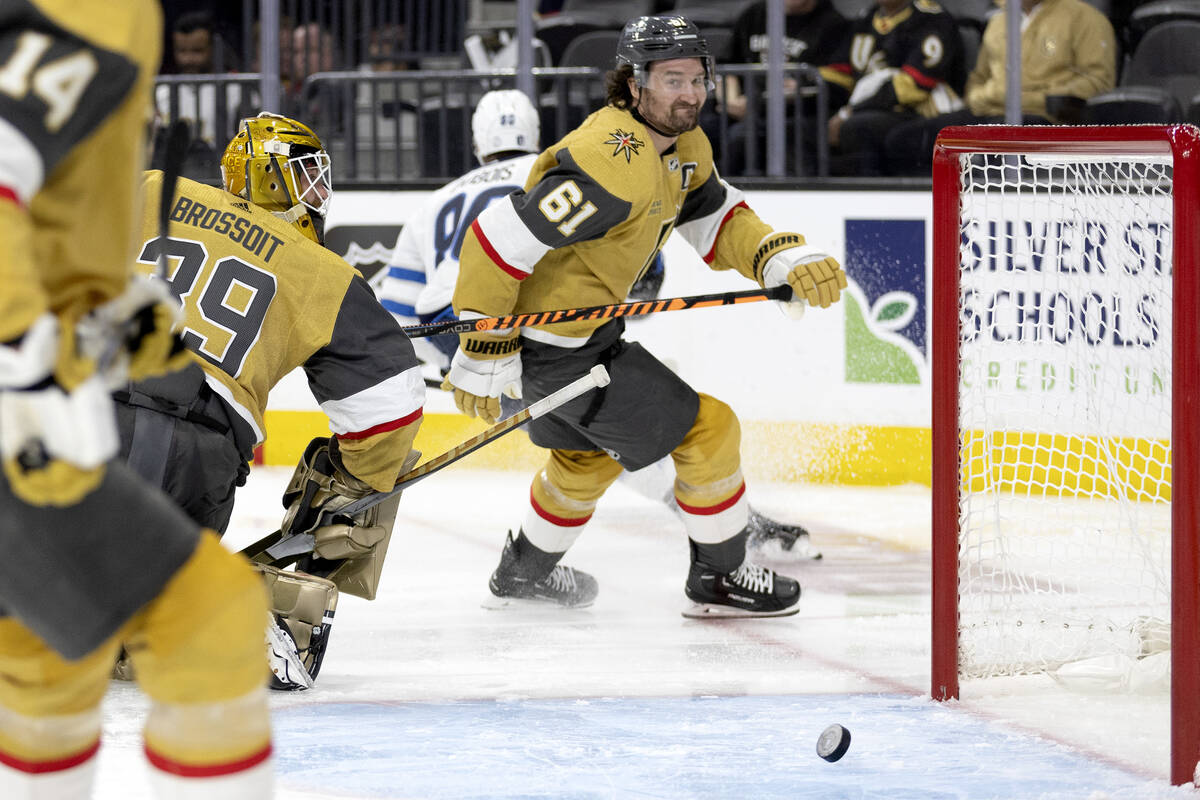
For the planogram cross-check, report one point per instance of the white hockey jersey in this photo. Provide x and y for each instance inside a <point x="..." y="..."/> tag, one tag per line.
<point x="418" y="282"/>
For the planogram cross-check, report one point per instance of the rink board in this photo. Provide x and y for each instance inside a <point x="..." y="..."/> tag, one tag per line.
<point x="779" y="451"/>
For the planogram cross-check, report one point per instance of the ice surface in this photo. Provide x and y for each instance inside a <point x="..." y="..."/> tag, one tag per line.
<point x="426" y="694"/>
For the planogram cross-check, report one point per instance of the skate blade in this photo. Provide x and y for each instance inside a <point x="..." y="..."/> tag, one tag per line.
<point x="494" y="603"/>
<point x="716" y="611"/>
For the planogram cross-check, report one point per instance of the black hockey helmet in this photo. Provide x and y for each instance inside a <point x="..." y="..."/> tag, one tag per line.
<point x="661" y="38"/>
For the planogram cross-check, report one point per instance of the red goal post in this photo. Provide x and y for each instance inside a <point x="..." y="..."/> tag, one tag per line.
<point x="1045" y="397"/>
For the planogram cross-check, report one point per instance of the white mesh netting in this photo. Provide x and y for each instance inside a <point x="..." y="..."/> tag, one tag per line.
<point x="1064" y="410"/>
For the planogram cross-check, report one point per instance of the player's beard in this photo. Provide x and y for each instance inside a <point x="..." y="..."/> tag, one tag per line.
<point x="685" y="117"/>
<point x="680" y="119"/>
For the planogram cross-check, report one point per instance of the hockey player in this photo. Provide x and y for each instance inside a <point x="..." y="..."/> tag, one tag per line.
<point x="595" y="211"/>
<point x="902" y="63"/>
<point x="90" y="555"/>
<point x="418" y="284"/>
<point x="262" y="297"/>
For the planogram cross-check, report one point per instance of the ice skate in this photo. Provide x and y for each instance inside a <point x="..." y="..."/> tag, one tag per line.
<point x="773" y="540"/>
<point x="564" y="586"/>
<point x="287" y="669"/>
<point x="748" y="591"/>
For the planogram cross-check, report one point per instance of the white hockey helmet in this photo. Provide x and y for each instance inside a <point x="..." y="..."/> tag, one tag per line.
<point x="504" y="121"/>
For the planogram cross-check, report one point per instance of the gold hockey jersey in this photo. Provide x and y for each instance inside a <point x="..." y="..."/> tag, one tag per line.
<point x="73" y="114"/>
<point x="260" y="299"/>
<point x="595" y="211"/>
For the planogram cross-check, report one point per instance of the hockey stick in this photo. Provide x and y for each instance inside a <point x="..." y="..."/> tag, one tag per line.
<point x="638" y="308"/>
<point x="173" y="156"/>
<point x="278" y="545"/>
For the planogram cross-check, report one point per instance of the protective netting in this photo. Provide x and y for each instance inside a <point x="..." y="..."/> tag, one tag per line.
<point x="1064" y="410"/>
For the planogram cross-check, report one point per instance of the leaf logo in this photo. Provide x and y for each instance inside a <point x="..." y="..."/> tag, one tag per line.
<point x="893" y="310"/>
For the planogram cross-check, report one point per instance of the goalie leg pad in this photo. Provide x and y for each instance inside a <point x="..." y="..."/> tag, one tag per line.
<point x="305" y="604"/>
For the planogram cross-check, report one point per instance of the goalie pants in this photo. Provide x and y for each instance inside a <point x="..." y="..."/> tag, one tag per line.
<point x="646" y="412"/>
<point x="181" y="436"/>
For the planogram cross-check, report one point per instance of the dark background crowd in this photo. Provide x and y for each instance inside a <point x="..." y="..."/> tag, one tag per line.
<point x="388" y="82"/>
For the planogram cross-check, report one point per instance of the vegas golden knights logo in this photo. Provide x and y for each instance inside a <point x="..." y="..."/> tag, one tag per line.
<point x="624" y="142"/>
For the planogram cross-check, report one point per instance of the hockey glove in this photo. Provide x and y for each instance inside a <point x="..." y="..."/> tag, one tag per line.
<point x="356" y="543"/>
<point x="816" y="278"/>
<point x="478" y="382"/>
<point x="57" y="426"/>
<point x="131" y="336"/>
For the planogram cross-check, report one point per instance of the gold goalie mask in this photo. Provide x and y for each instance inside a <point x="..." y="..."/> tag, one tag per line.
<point x="279" y="164"/>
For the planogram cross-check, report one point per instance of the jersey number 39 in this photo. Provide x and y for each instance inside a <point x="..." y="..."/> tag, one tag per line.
<point x="233" y="297"/>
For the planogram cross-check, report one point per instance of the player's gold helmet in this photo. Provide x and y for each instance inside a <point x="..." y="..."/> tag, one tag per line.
<point x="279" y="164"/>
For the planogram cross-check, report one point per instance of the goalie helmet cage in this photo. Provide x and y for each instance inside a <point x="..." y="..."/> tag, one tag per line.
<point x="1066" y="369"/>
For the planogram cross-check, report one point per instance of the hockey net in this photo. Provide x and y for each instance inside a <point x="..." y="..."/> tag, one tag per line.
<point x="1064" y="348"/>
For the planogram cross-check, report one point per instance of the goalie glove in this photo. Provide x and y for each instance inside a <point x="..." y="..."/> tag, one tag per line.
<point x="348" y="549"/>
<point x="57" y="426"/>
<point x="132" y="336"/>
<point x="478" y="380"/>
<point x="816" y="278"/>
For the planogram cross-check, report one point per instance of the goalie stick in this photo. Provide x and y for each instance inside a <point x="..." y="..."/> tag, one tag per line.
<point x="280" y="547"/>
<point x="637" y="308"/>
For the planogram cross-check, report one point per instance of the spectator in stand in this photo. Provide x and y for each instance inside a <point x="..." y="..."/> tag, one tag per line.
<point x="223" y="19"/>
<point x="813" y="31"/>
<point x="211" y="109"/>
<point x="1068" y="54"/>
<point x="900" y="64"/>
<point x="197" y="47"/>
<point x="385" y="46"/>
<point x="304" y="49"/>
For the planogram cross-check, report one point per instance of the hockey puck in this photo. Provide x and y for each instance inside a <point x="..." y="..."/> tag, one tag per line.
<point x="833" y="743"/>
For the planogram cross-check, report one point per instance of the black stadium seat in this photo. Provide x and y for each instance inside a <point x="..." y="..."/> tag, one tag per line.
<point x="1132" y="104"/>
<point x="1147" y="16"/>
<point x="592" y="49"/>
<point x="1193" y="110"/>
<point x="1167" y="57"/>
<point x="711" y="13"/>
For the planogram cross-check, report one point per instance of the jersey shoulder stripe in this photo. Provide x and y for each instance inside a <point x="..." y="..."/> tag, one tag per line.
<point x="384" y="427"/>
<point x="492" y="253"/>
